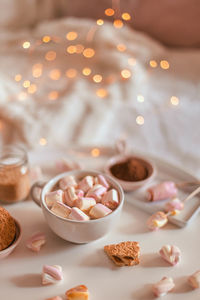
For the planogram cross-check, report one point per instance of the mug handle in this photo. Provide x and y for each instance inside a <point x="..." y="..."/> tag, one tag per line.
<point x="36" y="190"/>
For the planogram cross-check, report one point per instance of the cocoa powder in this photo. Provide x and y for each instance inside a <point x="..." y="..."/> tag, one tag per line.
<point x="130" y="170"/>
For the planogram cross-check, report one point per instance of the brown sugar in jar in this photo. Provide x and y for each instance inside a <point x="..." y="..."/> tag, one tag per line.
<point x="14" y="174"/>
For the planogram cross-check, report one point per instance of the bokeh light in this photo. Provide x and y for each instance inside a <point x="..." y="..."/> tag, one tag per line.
<point x="126" y="16"/>
<point x="140" y="120"/>
<point x="50" y="55"/>
<point x="118" y="23"/>
<point x="174" y="100"/>
<point x="46" y="39"/>
<point x="126" y="73"/>
<point x="53" y="95"/>
<point x="26" y="83"/>
<point x="121" y="47"/>
<point x="164" y="64"/>
<point x="71" y="73"/>
<point x="109" y="12"/>
<point x="86" y="71"/>
<point x="102" y="93"/>
<point x="140" y="98"/>
<point x="71" y="36"/>
<point x="55" y="74"/>
<point x="71" y="49"/>
<point x="100" y="22"/>
<point x="95" y="152"/>
<point x="26" y="45"/>
<point x="153" y="63"/>
<point x="42" y="141"/>
<point x="32" y="88"/>
<point x="18" y="77"/>
<point x="88" y="52"/>
<point x="97" y="78"/>
<point x="37" y="70"/>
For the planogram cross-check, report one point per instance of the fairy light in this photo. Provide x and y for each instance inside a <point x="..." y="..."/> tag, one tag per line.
<point x="140" y="120"/>
<point x="118" y="23"/>
<point x="174" y="100"/>
<point x="26" y="45"/>
<point x="153" y="63"/>
<point x="55" y="74"/>
<point x="32" y="88"/>
<point x="22" y="96"/>
<point x="88" y="52"/>
<point x="102" y="93"/>
<point x="50" y="55"/>
<point x="86" y="71"/>
<point x="18" y="77"/>
<point x="71" y="73"/>
<point x="37" y="70"/>
<point x="42" y="141"/>
<point x="100" y="22"/>
<point x="126" y="73"/>
<point x="97" y="78"/>
<point x="46" y="39"/>
<point x="121" y="47"/>
<point x="71" y="49"/>
<point x="132" y="61"/>
<point x="126" y="16"/>
<point x="140" y="98"/>
<point x="71" y="36"/>
<point x="79" y="48"/>
<point x="53" y="95"/>
<point x="26" y="84"/>
<point x="109" y="12"/>
<point x="95" y="152"/>
<point x="164" y="64"/>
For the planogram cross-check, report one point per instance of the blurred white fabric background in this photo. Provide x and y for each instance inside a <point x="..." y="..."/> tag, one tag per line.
<point x="78" y="116"/>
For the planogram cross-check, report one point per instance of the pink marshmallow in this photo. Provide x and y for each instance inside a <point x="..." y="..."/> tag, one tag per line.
<point x="99" y="210"/>
<point x="85" y="203"/>
<point x="86" y="183"/>
<point x="157" y="220"/>
<point x="110" y="199"/>
<point x="67" y="181"/>
<point x="163" y="286"/>
<point x="96" y="192"/>
<point x="51" y="274"/>
<point x="174" y="204"/>
<point x="162" y="191"/>
<point x="52" y="197"/>
<point x="36" y="241"/>
<point x="70" y="196"/>
<point x="100" y="179"/>
<point x="79" y="193"/>
<point x="78" y="215"/>
<point x="61" y="210"/>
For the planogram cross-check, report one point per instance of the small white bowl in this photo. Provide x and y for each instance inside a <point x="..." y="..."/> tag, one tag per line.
<point x="131" y="185"/>
<point x="4" y="253"/>
<point x="79" y="231"/>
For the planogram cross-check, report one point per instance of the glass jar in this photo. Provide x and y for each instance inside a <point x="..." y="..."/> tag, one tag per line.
<point x="14" y="174"/>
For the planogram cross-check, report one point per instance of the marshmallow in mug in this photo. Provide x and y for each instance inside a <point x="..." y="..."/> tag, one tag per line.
<point x="90" y="198"/>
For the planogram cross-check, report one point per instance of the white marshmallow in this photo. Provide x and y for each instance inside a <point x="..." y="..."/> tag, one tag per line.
<point x="67" y="181"/>
<point x="54" y="196"/>
<point x="162" y="287"/>
<point x="96" y="192"/>
<point x="36" y="241"/>
<point x="86" y="183"/>
<point x="171" y="254"/>
<point x="61" y="210"/>
<point x="110" y="199"/>
<point x="194" y="280"/>
<point x="85" y="203"/>
<point x="70" y="196"/>
<point x="78" y="215"/>
<point x="99" y="211"/>
<point x="51" y="274"/>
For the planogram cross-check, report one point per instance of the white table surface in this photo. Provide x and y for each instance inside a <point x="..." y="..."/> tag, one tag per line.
<point x="20" y="273"/>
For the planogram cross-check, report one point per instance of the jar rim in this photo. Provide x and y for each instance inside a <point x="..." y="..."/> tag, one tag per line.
<point x="13" y="151"/>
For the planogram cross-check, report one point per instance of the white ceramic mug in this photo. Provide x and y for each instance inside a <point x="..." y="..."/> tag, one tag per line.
<point x="78" y="231"/>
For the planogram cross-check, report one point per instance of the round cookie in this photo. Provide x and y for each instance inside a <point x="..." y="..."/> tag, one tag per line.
<point x="7" y="228"/>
